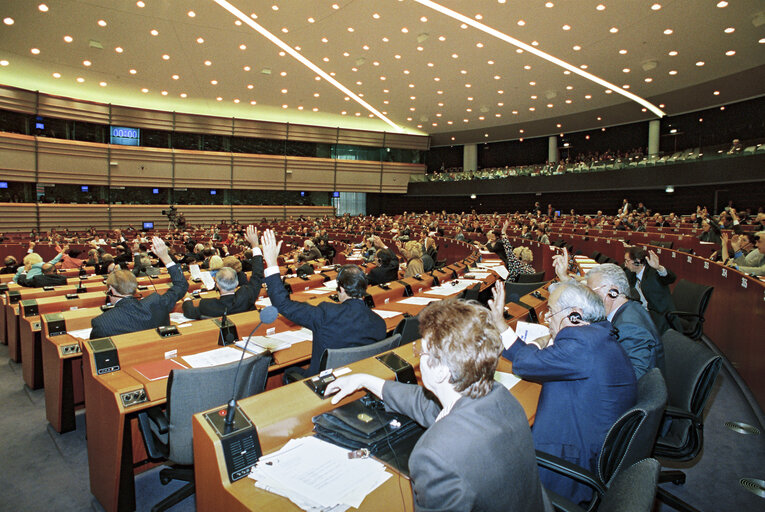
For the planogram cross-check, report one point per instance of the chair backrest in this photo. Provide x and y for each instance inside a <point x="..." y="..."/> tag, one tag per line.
<point x="472" y="292"/>
<point x="409" y="329"/>
<point x="338" y="357"/>
<point x="532" y="278"/>
<point x="694" y="298"/>
<point x="634" y="489"/>
<point x="199" y="389"/>
<point x="595" y="255"/>
<point x="631" y="438"/>
<point x="520" y="289"/>
<point x="691" y="371"/>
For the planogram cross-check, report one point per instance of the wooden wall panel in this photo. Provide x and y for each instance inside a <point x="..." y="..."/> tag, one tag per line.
<point x="66" y="161"/>
<point x="360" y="138"/>
<point x="204" y="215"/>
<point x="141" y="167"/>
<point x="308" y="133"/>
<point x="17" y="157"/>
<point x="202" y="169"/>
<point x="253" y="214"/>
<point x="18" y="217"/>
<point x="136" y="215"/>
<point x="18" y="100"/>
<point x="74" y="216"/>
<point x="140" y="118"/>
<point x="310" y="174"/>
<point x="73" y="109"/>
<point x="400" y="140"/>
<point x="396" y="176"/>
<point x="260" y="129"/>
<point x="358" y="176"/>
<point x="258" y="172"/>
<point x="192" y="123"/>
<point x="310" y="211"/>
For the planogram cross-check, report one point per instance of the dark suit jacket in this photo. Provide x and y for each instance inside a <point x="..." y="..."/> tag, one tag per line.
<point x="131" y="314"/>
<point x="587" y="383"/>
<point x="493" y="468"/>
<point x="657" y="294"/>
<point x="639" y="338"/>
<point x="41" y="280"/>
<point x="348" y="324"/>
<point x="242" y="300"/>
<point x="380" y="275"/>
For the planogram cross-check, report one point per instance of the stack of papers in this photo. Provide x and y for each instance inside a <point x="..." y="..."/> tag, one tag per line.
<point x="83" y="334"/>
<point x="318" y="476"/>
<point x="529" y="332"/>
<point x="418" y="301"/>
<point x="387" y="314"/>
<point x="506" y="379"/>
<point x="263" y="301"/>
<point x="274" y="342"/>
<point x="214" y="357"/>
<point x="178" y="318"/>
<point x="452" y="287"/>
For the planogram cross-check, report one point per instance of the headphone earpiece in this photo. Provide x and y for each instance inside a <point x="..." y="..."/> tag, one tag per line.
<point x="613" y="293"/>
<point x="575" y="318"/>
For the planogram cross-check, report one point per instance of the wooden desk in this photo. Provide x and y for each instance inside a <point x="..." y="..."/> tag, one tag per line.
<point x="285" y="413"/>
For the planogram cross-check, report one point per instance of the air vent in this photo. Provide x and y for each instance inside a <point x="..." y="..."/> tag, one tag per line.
<point x="742" y="428"/>
<point x="754" y="486"/>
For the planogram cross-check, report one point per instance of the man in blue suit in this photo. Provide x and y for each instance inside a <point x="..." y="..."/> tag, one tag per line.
<point x="130" y="314"/>
<point x="349" y="323"/>
<point x="637" y="333"/>
<point x="587" y="379"/>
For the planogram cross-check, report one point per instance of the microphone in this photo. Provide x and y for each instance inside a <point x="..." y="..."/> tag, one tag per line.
<point x="267" y="316"/>
<point x="225" y="334"/>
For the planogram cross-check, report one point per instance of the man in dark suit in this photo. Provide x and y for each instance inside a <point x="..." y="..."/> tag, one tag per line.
<point x="587" y="379"/>
<point x="637" y="333"/>
<point x="651" y="281"/>
<point x="386" y="269"/>
<point x="130" y="314"/>
<point x="492" y="467"/>
<point x="232" y="299"/>
<point x="47" y="278"/>
<point x="347" y="324"/>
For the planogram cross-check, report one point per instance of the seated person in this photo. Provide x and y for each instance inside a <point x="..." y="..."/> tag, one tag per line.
<point x="106" y="265"/>
<point x="131" y="314"/>
<point x="493" y="468"/>
<point x="33" y="263"/>
<point x="587" y="379"/>
<point x="309" y="253"/>
<point x="651" y="281"/>
<point x="754" y="262"/>
<point x="524" y="254"/>
<point x="214" y="264"/>
<point x="412" y="252"/>
<point x="11" y="265"/>
<point x="237" y="265"/>
<point x="386" y="269"/>
<point x="232" y="299"/>
<point x="48" y="277"/>
<point x="142" y="266"/>
<point x="710" y="232"/>
<point x="515" y="266"/>
<point x="347" y="324"/>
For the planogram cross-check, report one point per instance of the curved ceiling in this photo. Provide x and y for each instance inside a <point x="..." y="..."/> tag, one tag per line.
<point x="422" y="70"/>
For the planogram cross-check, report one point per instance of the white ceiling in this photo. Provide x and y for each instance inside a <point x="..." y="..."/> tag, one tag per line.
<point x="415" y="65"/>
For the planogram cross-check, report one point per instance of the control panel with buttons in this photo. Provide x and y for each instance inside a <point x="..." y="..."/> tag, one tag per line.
<point x="133" y="397"/>
<point x="68" y="350"/>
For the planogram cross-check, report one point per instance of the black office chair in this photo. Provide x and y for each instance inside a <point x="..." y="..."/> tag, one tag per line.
<point x="691" y="372"/>
<point x="595" y="255"/>
<point x="662" y="244"/>
<point x="409" y="329"/>
<point x="691" y="300"/>
<point x="633" y="490"/>
<point x="630" y="439"/>
<point x="520" y="289"/>
<point x="537" y="277"/>
<point x="167" y="434"/>
<point x="339" y="357"/>
<point x="471" y="293"/>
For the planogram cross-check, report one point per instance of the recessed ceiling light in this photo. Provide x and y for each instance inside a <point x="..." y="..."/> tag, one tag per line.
<point x="623" y="52"/>
<point x="583" y="66"/>
<point x="700" y="63"/>
<point x="534" y="43"/>
<point x="533" y="96"/>
<point x="576" y="47"/>
<point x="86" y="63"/>
<point x="140" y="4"/>
<point x="101" y="23"/>
<point x="588" y="96"/>
<point x="729" y="30"/>
<point x="102" y="84"/>
<point x="722" y="4"/>
<point x="184" y="95"/>
<point x="549" y="5"/>
<point x="246" y="68"/>
<point x="668" y="31"/>
<point x="133" y="71"/>
<point x="285" y="30"/>
<point x="57" y="75"/>
<point x="80" y="79"/>
<point x="673" y="72"/>
<point x="716" y="93"/>
<point x="454" y="56"/>
<point x="250" y="86"/>
<point x="626" y="70"/>
<point x="191" y="14"/>
<point x="673" y="53"/>
<point x="655" y="7"/>
<point x="8" y="21"/>
<point x="238" y="23"/>
<point x="600" y="7"/>
<point x="144" y="90"/>
<point x="521" y="23"/>
<point x="490" y="62"/>
<point x="324" y="40"/>
<point x="175" y="77"/>
<point x="68" y="39"/>
<point x="648" y="79"/>
<point x="43" y="8"/>
<point x="608" y="91"/>
<point x="208" y="63"/>
<point x="165" y="57"/>
<point x="566" y="27"/>
<point x="242" y="46"/>
<point x="730" y="53"/>
<point x="119" y="49"/>
<point x="405" y="30"/>
<point x="762" y="41"/>
<point x="568" y="101"/>
<point x="613" y="30"/>
<point x="4" y="62"/>
<point x="200" y="40"/>
<point x="214" y="82"/>
<point x="154" y="32"/>
<point x="35" y="51"/>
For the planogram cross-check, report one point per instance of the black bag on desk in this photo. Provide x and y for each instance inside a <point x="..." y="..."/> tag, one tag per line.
<point x="365" y="424"/>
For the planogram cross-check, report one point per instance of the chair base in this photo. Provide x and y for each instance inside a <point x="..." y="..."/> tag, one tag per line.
<point x="673" y="501"/>
<point x="185" y="474"/>
<point x="676" y="477"/>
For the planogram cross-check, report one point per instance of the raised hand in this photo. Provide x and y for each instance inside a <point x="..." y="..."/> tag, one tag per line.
<point x="497" y="305"/>
<point x="251" y="235"/>
<point x="653" y="260"/>
<point x="270" y="248"/>
<point x="560" y="264"/>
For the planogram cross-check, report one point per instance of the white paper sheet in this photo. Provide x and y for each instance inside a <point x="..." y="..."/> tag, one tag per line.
<point x="214" y="357"/>
<point x="529" y="332"/>
<point x="418" y="301"/>
<point x="83" y="334"/>
<point x="332" y="285"/>
<point x="452" y="287"/>
<point x="195" y="272"/>
<point x="178" y="318"/>
<point x="263" y="301"/>
<point x="387" y="314"/>
<point x="506" y="379"/>
<point x="207" y="280"/>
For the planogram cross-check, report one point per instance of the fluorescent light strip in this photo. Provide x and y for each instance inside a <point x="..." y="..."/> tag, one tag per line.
<point x="307" y="63"/>
<point x="539" y="53"/>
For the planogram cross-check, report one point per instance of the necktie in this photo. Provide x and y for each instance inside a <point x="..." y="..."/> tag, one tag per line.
<point x="639" y="289"/>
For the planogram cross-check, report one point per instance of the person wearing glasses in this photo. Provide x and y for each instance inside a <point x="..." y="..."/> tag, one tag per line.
<point x="651" y="281"/>
<point x="753" y="262"/>
<point x="477" y="452"/>
<point x="587" y="379"/>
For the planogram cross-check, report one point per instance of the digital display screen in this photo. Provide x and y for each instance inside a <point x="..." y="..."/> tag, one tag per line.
<point x="335" y="194"/>
<point x="213" y="192"/>
<point x="84" y="188"/>
<point x="155" y="191"/>
<point x="302" y="194"/>
<point x="40" y="126"/>
<point x="3" y="184"/>
<point x="148" y="225"/>
<point x="124" y="136"/>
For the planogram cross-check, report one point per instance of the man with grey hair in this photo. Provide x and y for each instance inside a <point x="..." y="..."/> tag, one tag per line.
<point x="587" y="379"/>
<point x="232" y="300"/>
<point x="754" y="262"/>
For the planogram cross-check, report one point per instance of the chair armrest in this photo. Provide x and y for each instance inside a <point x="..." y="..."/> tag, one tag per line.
<point x="157" y="416"/>
<point x="154" y="417"/>
<point x="675" y="413"/>
<point x="567" y="469"/>
<point x="669" y="314"/>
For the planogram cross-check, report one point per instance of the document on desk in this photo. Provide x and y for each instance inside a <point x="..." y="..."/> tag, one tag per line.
<point x="529" y="332"/>
<point x="477" y="275"/>
<point x="316" y="475"/>
<point x="83" y="334"/>
<point x="321" y="290"/>
<point x="195" y="272"/>
<point x="332" y="285"/>
<point x="452" y="287"/>
<point x="178" y="318"/>
<point x="292" y="337"/>
<point x="387" y="314"/>
<point x="214" y="357"/>
<point x="418" y="301"/>
<point x="208" y="281"/>
<point x="506" y="379"/>
<point x="263" y="301"/>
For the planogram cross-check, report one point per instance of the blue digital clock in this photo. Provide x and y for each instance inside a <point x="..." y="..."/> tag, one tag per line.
<point x="125" y="136"/>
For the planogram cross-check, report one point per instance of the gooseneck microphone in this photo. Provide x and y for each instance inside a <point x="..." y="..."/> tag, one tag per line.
<point x="268" y="315"/>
